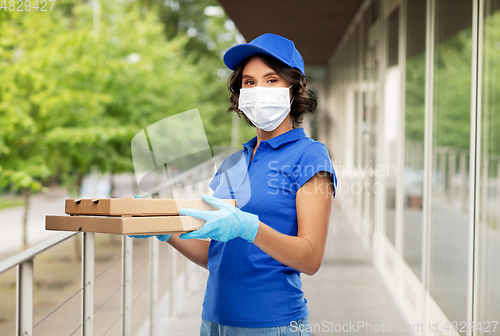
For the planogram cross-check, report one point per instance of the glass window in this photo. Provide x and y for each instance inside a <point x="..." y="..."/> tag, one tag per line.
<point x="391" y="124"/>
<point x="413" y="176"/>
<point x="488" y="197"/>
<point x="449" y="226"/>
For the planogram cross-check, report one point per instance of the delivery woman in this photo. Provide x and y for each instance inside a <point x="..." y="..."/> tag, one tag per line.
<point x="284" y="192"/>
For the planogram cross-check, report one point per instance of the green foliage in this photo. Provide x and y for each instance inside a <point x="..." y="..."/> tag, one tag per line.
<point x="490" y="114"/>
<point x="74" y="93"/>
<point x="415" y="99"/>
<point x="452" y="91"/>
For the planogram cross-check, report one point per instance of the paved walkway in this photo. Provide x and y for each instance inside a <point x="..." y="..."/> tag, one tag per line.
<point x="346" y="290"/>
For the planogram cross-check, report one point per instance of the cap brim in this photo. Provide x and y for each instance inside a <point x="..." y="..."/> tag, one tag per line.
<point x="236" y="54"/>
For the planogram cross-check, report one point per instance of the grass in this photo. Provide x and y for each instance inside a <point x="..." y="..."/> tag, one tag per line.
<point x="10" y="202"/>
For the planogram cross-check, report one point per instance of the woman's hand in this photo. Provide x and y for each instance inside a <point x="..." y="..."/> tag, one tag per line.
<point x="224" y="224"/>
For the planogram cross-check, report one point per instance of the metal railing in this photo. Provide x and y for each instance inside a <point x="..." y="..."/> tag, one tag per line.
<point x="189" y="184"/>
<point x="24" y="293"/>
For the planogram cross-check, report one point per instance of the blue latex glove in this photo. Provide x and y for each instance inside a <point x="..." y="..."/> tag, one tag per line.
<point x="140" y="237"/>
<point x="224" y="224"/>
<point x="164" y="238"/>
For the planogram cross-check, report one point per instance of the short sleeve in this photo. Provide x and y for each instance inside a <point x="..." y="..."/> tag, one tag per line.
<point x="312" y="159"/>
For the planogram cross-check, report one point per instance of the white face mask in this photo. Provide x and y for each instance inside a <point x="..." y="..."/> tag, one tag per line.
<point x="266" y="107"/>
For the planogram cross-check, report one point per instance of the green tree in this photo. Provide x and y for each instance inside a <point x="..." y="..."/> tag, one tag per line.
<point x="73" y="93"/>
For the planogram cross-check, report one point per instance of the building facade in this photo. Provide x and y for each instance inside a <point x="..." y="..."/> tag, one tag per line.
<point x="410" y="112"/>
<point x="412" y="121"/>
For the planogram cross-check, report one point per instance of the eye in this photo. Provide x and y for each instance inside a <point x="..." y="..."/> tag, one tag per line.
<point x="248" y="82"/>
<point x="272" y="80"/>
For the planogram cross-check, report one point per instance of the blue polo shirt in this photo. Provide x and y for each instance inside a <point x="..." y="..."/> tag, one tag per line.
<point x="246" y="287"/>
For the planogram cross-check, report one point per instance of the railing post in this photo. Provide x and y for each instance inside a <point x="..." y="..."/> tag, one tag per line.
<point x="172" y="265"/>
<point x="452" y="172"/>
<point x="127" y="246"/>
<point x="463" y="181"/>
<point x="154" y="249"/>
<point x="498" y="186"/>
<point x="88" y="283"/>
<point x="24" y="326"/>
<point x="186" y="275"/>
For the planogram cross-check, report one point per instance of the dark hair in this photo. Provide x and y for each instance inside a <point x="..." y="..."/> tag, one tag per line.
<point x="304" y="100"/>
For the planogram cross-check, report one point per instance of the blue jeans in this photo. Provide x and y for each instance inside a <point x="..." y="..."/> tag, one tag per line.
<point x="301" y="327"/>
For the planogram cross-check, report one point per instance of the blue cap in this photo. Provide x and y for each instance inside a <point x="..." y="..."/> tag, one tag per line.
<point x="268" y="44"/>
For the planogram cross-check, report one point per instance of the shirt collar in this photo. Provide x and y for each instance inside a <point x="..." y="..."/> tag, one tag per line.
<point x="280" y="140"/>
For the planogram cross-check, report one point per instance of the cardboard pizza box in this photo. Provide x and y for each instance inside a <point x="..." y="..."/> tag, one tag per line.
<point x="135" y="206"/>
<point x="124" y="225"/>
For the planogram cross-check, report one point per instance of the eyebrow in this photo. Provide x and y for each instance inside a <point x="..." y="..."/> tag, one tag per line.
<point x="272" y="73"/>
<point x="269" y="74"/>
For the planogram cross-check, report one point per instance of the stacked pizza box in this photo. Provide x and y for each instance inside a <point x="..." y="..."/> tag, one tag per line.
<point x="129" y="216"/>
